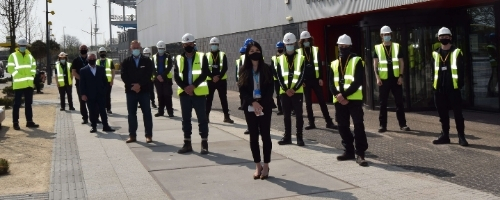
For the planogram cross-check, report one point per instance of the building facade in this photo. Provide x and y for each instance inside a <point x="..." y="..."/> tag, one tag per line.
<point x="475" y="25"/>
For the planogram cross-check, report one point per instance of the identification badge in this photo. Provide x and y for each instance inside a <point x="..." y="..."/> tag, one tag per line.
<point x="342" y="81"/>
<point x="215" y="66"/>
<point x="256" y="94"/>
<point x="444" y="68"/>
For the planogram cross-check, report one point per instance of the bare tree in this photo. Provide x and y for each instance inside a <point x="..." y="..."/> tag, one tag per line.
<point x="13" y="13"/>
<point x="71" y="45"/>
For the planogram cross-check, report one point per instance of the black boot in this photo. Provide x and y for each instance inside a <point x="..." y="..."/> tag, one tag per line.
<point x="346" y="156"/>
<point x="382" y="129"/>
<point x="310" y="126"/>
<point x="153" y="105"/>
<point x="287" y="139"/>
<point x="444" y="138"/>
<point x="300" y="140"/>
<point x="16" y="126"/>
<point x="227" y="119"/>
<point x="279" y="113"/>
<point x="204" y="147"/>
<point x="32" y="125"/>
<point x="186" y="148"/>
<point x="461" y="140"/>
<point x="331" y="125"/>
<point x="208" y="118"/>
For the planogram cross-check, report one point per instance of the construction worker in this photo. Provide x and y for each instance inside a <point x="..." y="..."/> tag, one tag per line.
<point x="280" y="46"/>
<point x="346" y="78"/>
<point x="190" y="74"/>
<point x="108" y="65"/>
<point x="147" y="52"/>
<point x="217" y="79"/>
<point x="449" y="75"/>
<point x="389" y="69"/>
<point x="162" y="75"/>
<point x="64" y="81"/>
<point x="313" y="79"/>
<point x="22" y="66"/>
<point x="290" y="73"/>
<point x="238" y="65"/>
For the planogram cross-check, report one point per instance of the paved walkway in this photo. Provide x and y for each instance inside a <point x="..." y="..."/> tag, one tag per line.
<point x="112" y="169"/>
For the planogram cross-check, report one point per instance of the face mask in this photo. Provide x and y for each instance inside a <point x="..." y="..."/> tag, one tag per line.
<point x="280" y="50"/>
<point x="161" y="51"/>
<point x="255" y="56"/>
<point x="445" y="41"/>
<point x="83" y="52"/>
<point x="136" y="52"/>
<point x="344" y="51"/>
<point x="387" y="38"/>
<point x="290" y="48"/>
<point x="214" y="47"/>
<point x="307" y="44"/>
<point x="102" y="55"/>
<point x="92" y="62"/>
<point x="62" y="61"/>
<point x="188" y="49"/>
<point x="22" y="49"/>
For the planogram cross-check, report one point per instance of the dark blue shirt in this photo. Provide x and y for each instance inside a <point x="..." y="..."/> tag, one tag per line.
<point x="160" y="63"/>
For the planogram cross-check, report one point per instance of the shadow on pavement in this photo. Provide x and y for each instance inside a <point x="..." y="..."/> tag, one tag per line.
<point x="296" y="187"/>
<point x="220" y="158"/>
<point x="433" y="134"/>
<point x="425" y="170"/>
<point x="3" y="132"/>
<point x="469" y="115"/>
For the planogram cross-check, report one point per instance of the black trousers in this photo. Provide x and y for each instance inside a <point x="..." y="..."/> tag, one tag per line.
<point x="63" y="91"/>
<point x="164" y="90"/>
<point x="108" y="97"/>
<point x="391" y="85"/>
<point x="221" y="87"/>
<point x="152" y="92"/>
<point x="292" y="103"/>
<point x="97" y="107"/>
<point x="313" y="85"/>
<point x="354" y="110"/>
<point x="37" y="84"/>
<point x="444" y="100"/>
<point x="260" y="125"/>
<point x="278" y="98"/>
<point x="83" y="108"/>
<point x="28" y="100"/>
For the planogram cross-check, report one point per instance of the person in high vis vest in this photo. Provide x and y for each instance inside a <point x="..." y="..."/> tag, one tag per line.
<point x="389" y="69"/>
<point x="147" y="52"/>
<point x="190" y="74"/>
<point x="346" y="79"/>
<point x="448" y="79"/>
<point x="64" y="81"/>
<point x="217" y="79"/>
<point x="237" y="70"/>
<point x="162" y="75"/>
<point x="108" y="65"/>
<point x="280" y="48"/>
<point x="493" y="57"/>
<point x="290" y="73"/>
<point x="313" y="80"/>
<point x="22" y="66"/>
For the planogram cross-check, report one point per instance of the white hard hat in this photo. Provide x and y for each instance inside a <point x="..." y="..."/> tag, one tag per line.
<point x="146" y="50"/>
<point x="161" y="44"/>
<point x="214" y="40"/>
<point x="187" y="38"/>
<point x="62" y="54"/>
<point x="289" y="38"/>
<point x="344" y="39"/>
<point x="22" y="41"/>
<point x="385" y="29"/>
<point x="444" y="31"/>
<point x="102" y="49"/>
<point x="305" y="35"/>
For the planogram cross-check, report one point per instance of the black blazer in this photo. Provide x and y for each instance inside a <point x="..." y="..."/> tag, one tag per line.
<point x="93" y="86"/>
<point x="266" y="89"/>
<point x="142" y="74"/>
<point x="168" y="61"/>
<point x="182" y="83"/>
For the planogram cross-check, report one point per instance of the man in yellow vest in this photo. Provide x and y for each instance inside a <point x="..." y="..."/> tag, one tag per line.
<point x="108" y="65"/>
<point x="162" y="75"/>
<point x="280" y="48"/>
<point x="313" y="80"/>
<point x="22" y="66"/>
<point x="346" y="80"/>
<point x="64" y="81"/>
<point x="290" y="73"/>
<point x="217" y="79"/>
<point x="238" y="65"/>
<point x="190" y="73"/>
<point x="449" y="73"/>
<point x="389" y="69"/>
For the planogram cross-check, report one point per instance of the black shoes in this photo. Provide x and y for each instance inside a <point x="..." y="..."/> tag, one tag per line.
<point x="16" y="126"/>
<point x="72" y="108"/>
<point x="310" y="126"/>
<point x="331" y="126"/>
<point x="285" y="140"/>
<point x="346" y="156"/>
<point x="228" y="120"/>
<point x="186" y="148"/>
<point x="239" y="108"/>
<point x="461" y="140"/>
<point x="171" y="115"/>
<point x="279" y="113"/>
<point x="108" y="129"/>
<point x="444" y="138"/>
<point x="32" y="125"/>
<point x="93" y="130"/>
<point x="361" y="161"/>
<point x="204" y="147"/>
<point x="159" y="114"/>
<point x="405" y="128"/>
<point x="62" y="109"/>
<point x="382" y="129"/>
<point x="247" y="132"/>
<point x="109" y="112"/>
<point x="154" y="105"/>
<point x="85" y="122"/>
<point x="300" y="140"/>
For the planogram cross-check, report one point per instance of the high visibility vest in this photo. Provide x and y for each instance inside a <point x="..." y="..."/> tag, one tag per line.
<point x="210" y="63"/>
<point x="382" y="60"/>
<point x="454" y="68"/>
<point x="22" y="68"/>
<point x="315" y="57"/>
<point x="169" y="75"/>
<point x="60" y="74"/>
<point x="275" y="66"/>
<point x="107" y="68"/>
<point x="237" y="69"/>
<point x="297" y="70"/>
<point x="348" y="78"/>
<point x="202" y="89"/>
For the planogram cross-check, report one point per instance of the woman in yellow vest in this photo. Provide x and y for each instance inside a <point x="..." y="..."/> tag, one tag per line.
<point x="448" y="73"/>
<point x="346" y="80"/>
<point x="64" y="81"/>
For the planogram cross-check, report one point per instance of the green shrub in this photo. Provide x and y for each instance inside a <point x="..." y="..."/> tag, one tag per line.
<point x="7" y="102"/>
<point x="8" y="91"/>
<point x="3" y="80"/>
<point x="4" y="166"/>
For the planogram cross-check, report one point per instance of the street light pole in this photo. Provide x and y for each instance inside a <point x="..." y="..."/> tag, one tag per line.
<point x="48" y="68"/>
<point x="64" y="38"/>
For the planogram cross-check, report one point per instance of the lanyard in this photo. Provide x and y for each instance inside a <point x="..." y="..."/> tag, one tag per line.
<point x="308" y="57"/>
<point x="446" y="58"/>
<point x="387" y="53"/>
<point x="214" y="60"/>
<point x="343" y="68"/>
<point x="83" y="61"/>
<point x="256" y="78"/>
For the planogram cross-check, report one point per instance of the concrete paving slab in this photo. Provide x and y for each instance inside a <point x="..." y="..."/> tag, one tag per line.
<point x="234" y="181"/>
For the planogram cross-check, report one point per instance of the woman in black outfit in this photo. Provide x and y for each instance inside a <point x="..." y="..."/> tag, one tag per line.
<point x="256" y="89"/>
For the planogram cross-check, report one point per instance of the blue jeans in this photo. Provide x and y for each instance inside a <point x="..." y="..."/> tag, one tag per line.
<point x="187" y="105"/>
<point x="143" y="100"/>
<point x="28" y="100"/>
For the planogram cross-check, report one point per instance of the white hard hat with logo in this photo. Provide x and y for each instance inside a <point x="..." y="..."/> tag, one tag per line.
<point x="289" y="38"/>
<point x="344" y="39"/>
<point x="444" y="31"/>
<point x="385" y="29"/>
<point x="22" y="41"/>
<point x="214" y="40"/>
<point x="146" y="50"/>
<point x="305" y="35"/>
<point x="102" y="49"/>
<point x="161" y="44"/>
<point x="187" y="38"/>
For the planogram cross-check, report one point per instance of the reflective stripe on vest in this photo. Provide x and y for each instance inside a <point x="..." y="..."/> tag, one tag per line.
<point x="237" y="69"/>
<point x="382" y="60"/>
<point x="275" y="66"/>
<point x="348" y="78"/>
<point x="23" y="69"/>
<point x="454" y="68"/>
<point x="60" y="75"/>
<point x="107" y="68"/>
<point x="298" y="60"/>
<point x="315" y="57"/>
<point x="221" y="65"/>
<point x="196" y="71"/>
<point x="169" y="75"/>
